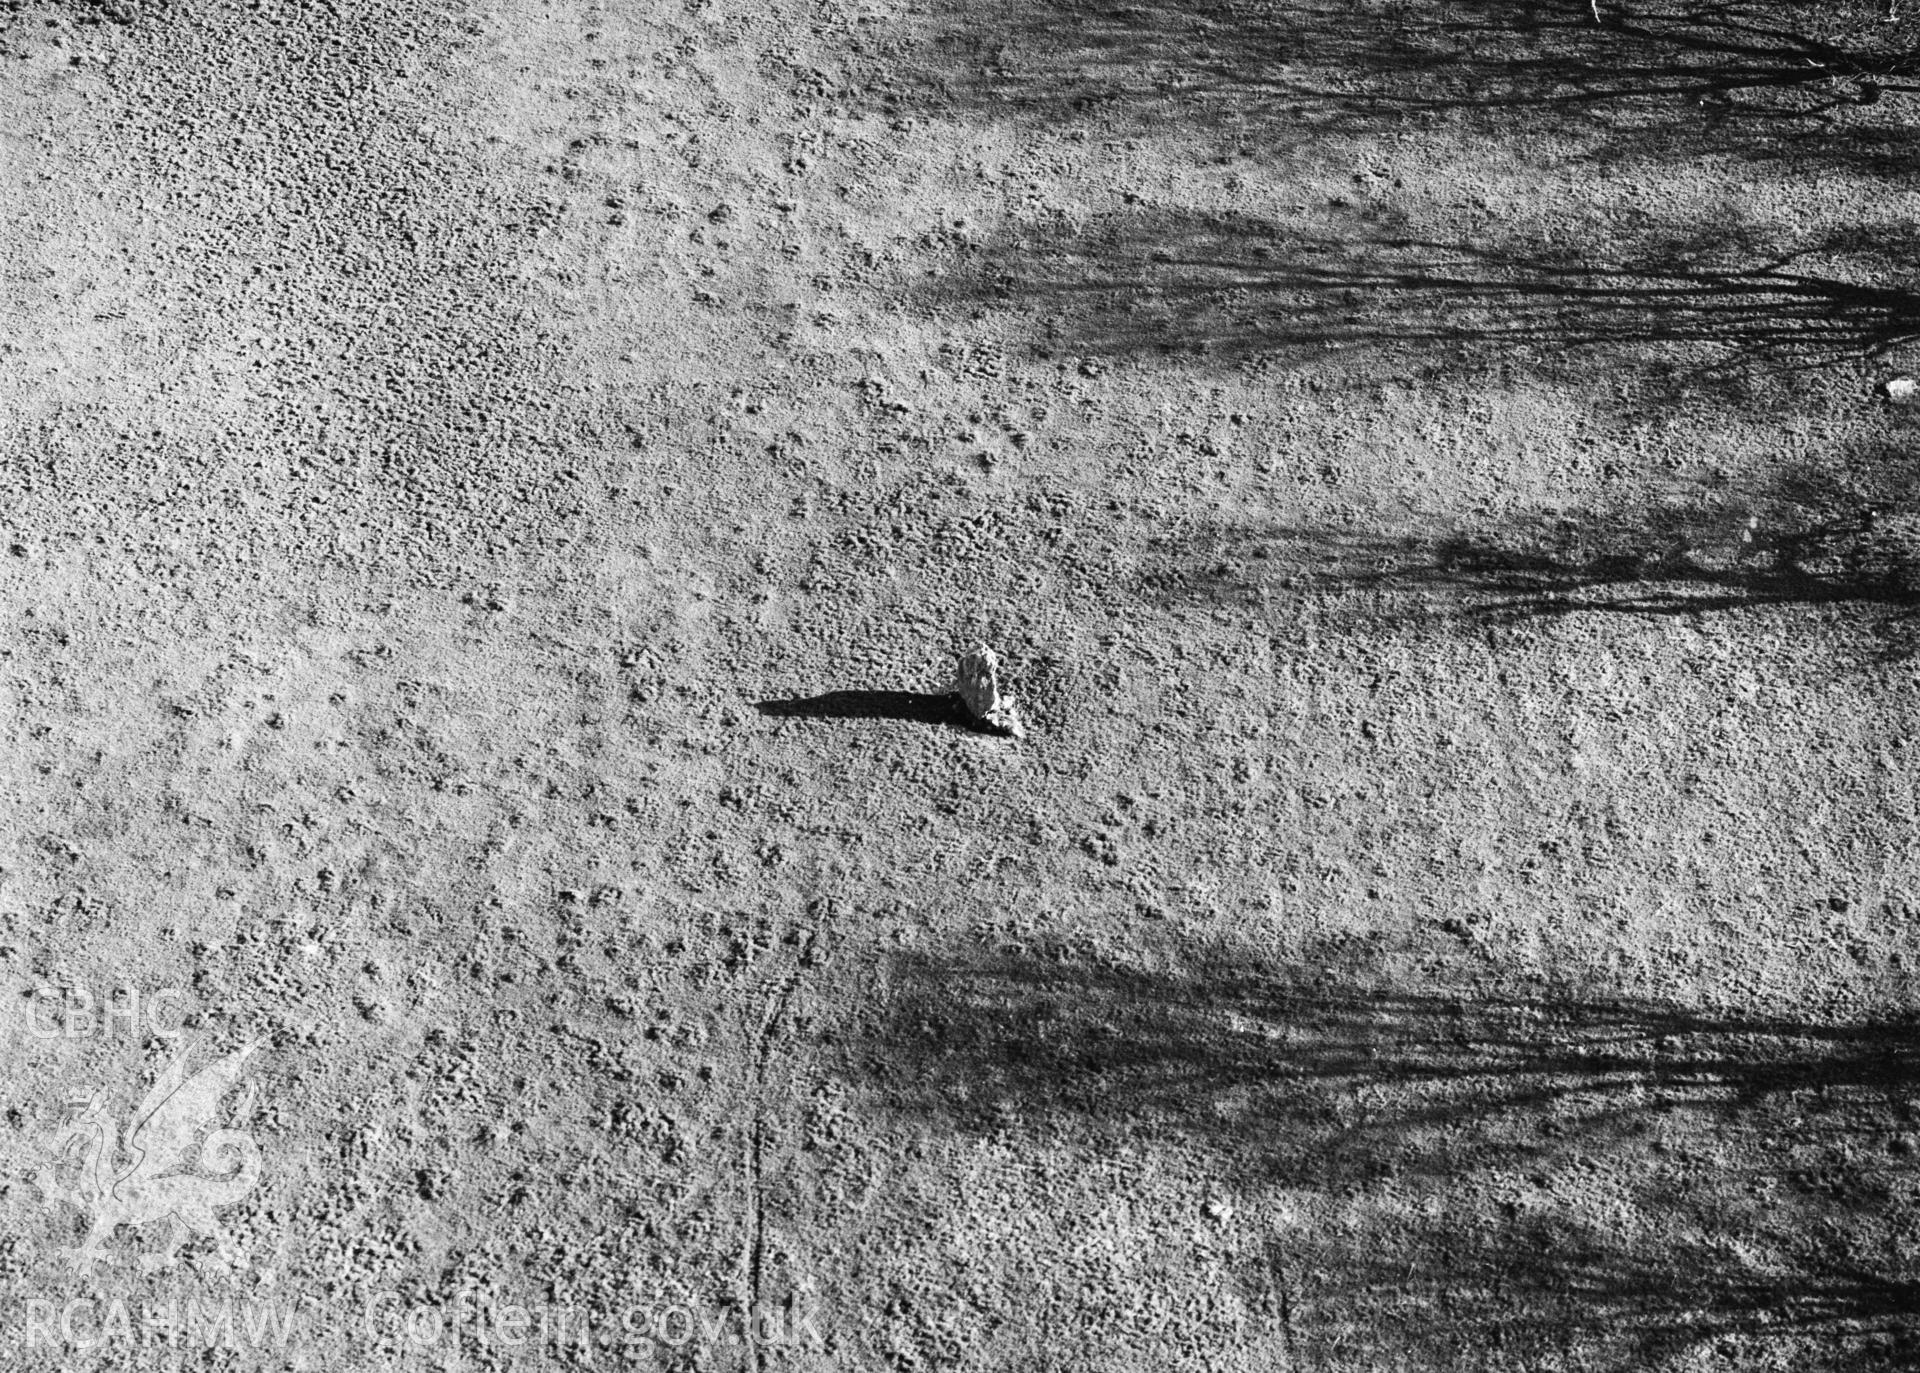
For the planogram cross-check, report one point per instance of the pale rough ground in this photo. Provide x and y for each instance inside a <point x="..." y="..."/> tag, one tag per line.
<point x="430" y="428"/>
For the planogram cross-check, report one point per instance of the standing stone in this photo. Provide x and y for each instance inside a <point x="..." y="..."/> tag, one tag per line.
<point x="977" y="684"/>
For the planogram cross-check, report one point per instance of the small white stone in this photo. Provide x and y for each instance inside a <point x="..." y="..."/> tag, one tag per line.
<point x="1901" y="390"/>
<point x="977" y="684"/>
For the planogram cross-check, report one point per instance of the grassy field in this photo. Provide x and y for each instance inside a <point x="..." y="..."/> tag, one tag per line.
<point x="491" y="493"/>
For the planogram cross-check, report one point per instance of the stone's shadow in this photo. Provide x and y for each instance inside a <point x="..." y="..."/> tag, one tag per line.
<point x="918" y="707"/>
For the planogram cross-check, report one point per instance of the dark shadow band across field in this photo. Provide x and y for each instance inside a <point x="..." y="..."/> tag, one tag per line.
<point x="1844" y="535"/>
<point x="1252" y="1063"/>
<point x="1758" y="78"/>
<point x="1659" y="85"/>
<point x="1708" y="306"/>
<point x="1750" y="1157"/>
